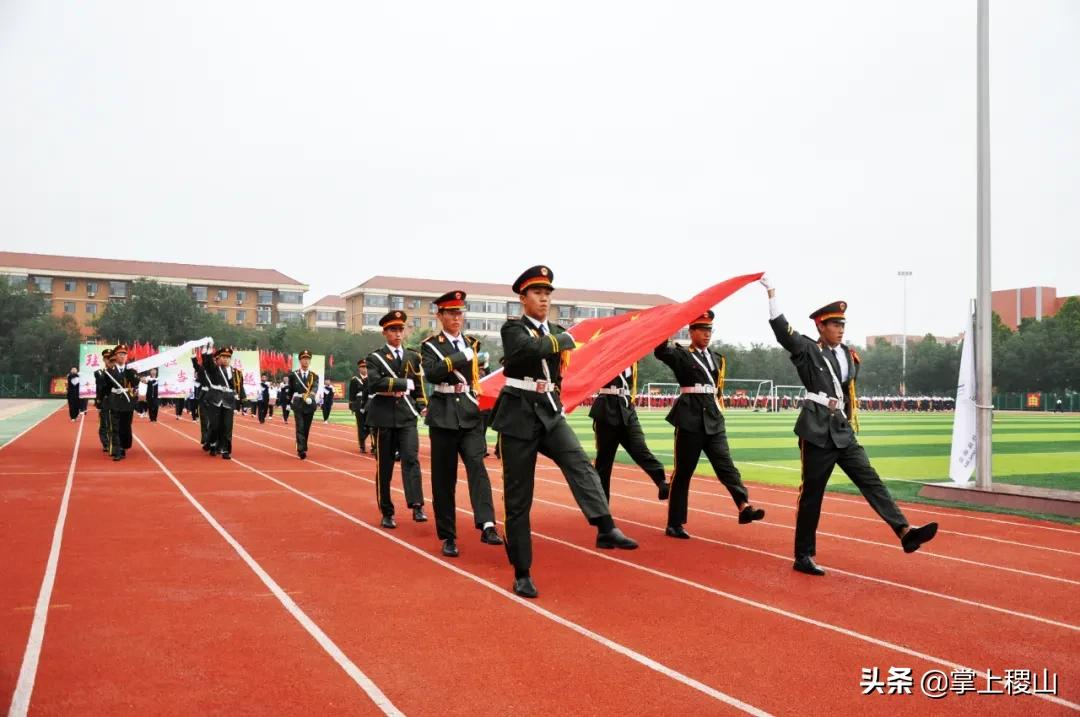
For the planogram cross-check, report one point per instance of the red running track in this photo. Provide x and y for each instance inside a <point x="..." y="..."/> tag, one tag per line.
<point x="186" y="584"/>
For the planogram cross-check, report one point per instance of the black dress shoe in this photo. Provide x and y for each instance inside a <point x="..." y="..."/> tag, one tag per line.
<point x="227" y="456"/>
<point x="449" y="548"/>
<point x="808" y="566"/>
<point x="914" y="538"/>
<point x="663" y="490"/>
<point x="118" y="457"/>
<point x="387" y="522"/>
<point x="749" y="514"/>
<point x="676" y="531"/>
<point x="206" y="447"/>
<point x="418" y="515"/>
<point x="615" y="539"/>
<point x="302" y="454"/>
<point x="490" y="537"/>
<point x="213" y="451"/>
<point x="525" y="588"/>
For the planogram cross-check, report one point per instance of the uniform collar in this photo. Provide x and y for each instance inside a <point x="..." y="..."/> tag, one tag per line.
<point x="537" y="324"/>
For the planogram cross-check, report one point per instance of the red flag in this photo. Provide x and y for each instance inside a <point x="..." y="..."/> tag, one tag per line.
<point x="330" y="361"/>
<point x="607" y="346"/>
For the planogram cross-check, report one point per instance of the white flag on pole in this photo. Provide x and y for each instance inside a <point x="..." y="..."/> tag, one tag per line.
<point x="962" y="461"/>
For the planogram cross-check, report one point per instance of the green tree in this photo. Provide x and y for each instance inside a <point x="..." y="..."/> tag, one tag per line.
<point x="43" y="346"/>
<point x="158" y="314"/>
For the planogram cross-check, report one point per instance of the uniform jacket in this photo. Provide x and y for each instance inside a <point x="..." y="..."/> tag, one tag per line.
<point x="114" y="379"/>
<point x="303" y="394"/>
<point x="816" y="423"/>
<point x="224" y="390"/>
<point x="357" y="394"/>
<point x="444" y="365"/>
<point x="391" y="404"/>
<point x="529" y="355"/>
<point x="695" y="412"/>
<point x="616" y="410"/>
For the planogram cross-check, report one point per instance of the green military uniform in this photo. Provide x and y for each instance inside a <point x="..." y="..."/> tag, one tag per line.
<point x="456" y="428"/>
<point x="391" y="413"/>
<point x="303" y="386"/>
<point x="121" y="388"/>
<point x="615" y="423"/>
<point x="529" y="419"/>
<point x="226" y="394"/>
<point x="358" y="398"/>
<point x="699" y="427"/>
<point x="827" y="436"/>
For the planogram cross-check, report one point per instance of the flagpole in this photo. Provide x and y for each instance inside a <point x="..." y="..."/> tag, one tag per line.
<point x="983" y="363"/>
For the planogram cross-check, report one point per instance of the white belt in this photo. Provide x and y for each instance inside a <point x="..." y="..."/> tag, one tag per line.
<point x="119" y="390"/>
<point x="528" y="384"/>
<point x="829" y="402"/>
<point x="614" y="392"/>
<point x="697" y="389"/>
<point x="223" y="390"/>
<point x="451" y="388"/>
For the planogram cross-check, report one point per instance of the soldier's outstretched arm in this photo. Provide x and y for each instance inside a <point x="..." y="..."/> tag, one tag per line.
<point x="519" y="344"/>
<point x="785" y="334"/>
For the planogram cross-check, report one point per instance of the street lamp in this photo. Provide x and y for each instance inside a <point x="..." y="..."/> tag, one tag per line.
<point x="903" y="337"/>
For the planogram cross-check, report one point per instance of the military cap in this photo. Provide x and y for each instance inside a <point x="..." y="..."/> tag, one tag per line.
<point x="533" y="277"/>
<point x="361" y="363"/>
<point x="106" y="352"/>
<point x="305" y="354"/>
<point x="223" y="351"/>
<point x="451" y="300"/>
<point x="393" y="320"/>
<point x="120" y="349"/>
<point x="830" y="312"/>
<point x="704" y="321"/>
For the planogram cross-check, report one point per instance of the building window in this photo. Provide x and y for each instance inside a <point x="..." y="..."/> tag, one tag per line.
<point x="326" y="316"/>
<point x="262" y="316"/>
<point x="621" y="311"/>
<point x="289" y="316"/>
<point x="397" y="302"/>
<point x="376" y="300"/>
<point x="43" y="284"/>
<point x="69" y="285"/>
<point x="566" y="312"/>
<point x="371" y="319"/>
<point x="223" y="314"/>
<point x="495" y="307"/>
<point x="585" y="312"/>
<point x="199" y="292"/>
<point x="513" y="311"/>
<point x="118" y="289"/>
<point x="222" y="294"/>
<point x="415" y="323"/>
<point x="292" y="297"/>
<point x="414" y="304"/>
<point x="91" y="309"/>
<point x="91" y="288"/>
<point x="69" y="307"/>
<point x="241" y="316"/>
<point x="604" y="313"/>
<point x="433" y="324"/>
<point x="241" y="296"/>
<point x="15" y="281"/>
<point x="265" y="297"/>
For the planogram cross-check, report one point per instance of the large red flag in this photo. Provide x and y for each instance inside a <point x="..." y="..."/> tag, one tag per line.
<point x="607" y="346"/>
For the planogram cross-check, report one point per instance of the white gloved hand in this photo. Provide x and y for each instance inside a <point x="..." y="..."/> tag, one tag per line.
<point x="766" y="282"/>
<point x="409" y="385"/>
<point x="468" y="353"/>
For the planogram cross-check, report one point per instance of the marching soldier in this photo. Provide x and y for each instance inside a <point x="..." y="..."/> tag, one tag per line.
<point x="303" y="387"/>
<point x="121" y="387"/>
<point x="327" y="401"/>
<point x="73" y="393"/>
<point x="153" y="403"/>
<point x="396" y="386"/>
<point x="100" y="393"/>
<point x="451" y="363"/>
<point x="226" y="394"/>
<point x="529" y="420"/>
<point x="358" y="402"/>
<point x="615" y="423"/>
<point x="263" y="404"/>
<point x="283" y="399"/>
<point x="828" y="370"/>
<point x="202" y="391"/>
<point x="699" y="424"/>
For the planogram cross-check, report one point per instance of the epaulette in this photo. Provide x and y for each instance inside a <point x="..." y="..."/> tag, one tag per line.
<point x="855" y="355"/>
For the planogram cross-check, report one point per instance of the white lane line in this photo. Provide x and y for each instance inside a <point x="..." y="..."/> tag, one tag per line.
<point x="370" y="688"/>
<point x="780" y="526"/>
<point x="683" y="581"/>
<point x="33" y="426"/>
<point x="502" y="592"/>
<point x="24" y="687"/>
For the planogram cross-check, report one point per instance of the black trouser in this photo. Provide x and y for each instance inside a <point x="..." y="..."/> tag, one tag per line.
<point x="179" y="406"/>
<point x="326" y="408"/>
<point x="262" y="410"/>
<point x="519" y="476"/>
<point x="220" y="427"/>
<point x="120" y="431"/>
<point x="361" y="428"/>
<point x="303" y="428"/>
<point x="73" y="408"/>
<point x="630" y="437"/>
<point x="269" y="409"/>
<point x="104" y="428"/>
<point x="285" y="412"/>
<point x="152" y="408"/>
<point x="689" y="446"/>
<point x="446" y="445"/>
<point x="817" y="466"/>
<point x="406" y="441"/>
<point x="204" y="421"/>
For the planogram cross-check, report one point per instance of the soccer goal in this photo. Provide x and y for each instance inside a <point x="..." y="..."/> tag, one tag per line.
<point x="658" y="396"/>
<point x="785" y="396"/>
<point x="747" y="393"/>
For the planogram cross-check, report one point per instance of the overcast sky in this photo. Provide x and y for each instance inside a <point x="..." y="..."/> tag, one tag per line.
<point x="652" y="146"/>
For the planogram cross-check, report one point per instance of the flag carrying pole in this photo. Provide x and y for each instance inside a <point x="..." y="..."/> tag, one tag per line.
<point x="983" y="398"/>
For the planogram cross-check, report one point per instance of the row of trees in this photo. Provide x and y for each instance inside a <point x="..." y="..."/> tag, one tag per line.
<point x="1041" y="355"/>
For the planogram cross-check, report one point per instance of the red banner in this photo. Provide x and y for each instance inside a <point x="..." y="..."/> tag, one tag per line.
<point x="607" y="346"/>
